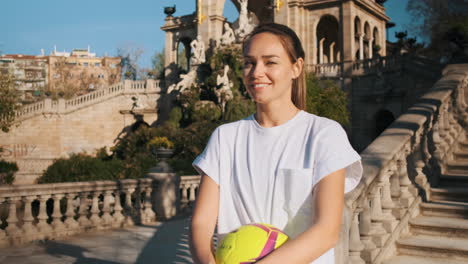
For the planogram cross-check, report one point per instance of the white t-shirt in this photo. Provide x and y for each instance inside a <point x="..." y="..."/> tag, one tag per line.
<point x="266" y="175"/>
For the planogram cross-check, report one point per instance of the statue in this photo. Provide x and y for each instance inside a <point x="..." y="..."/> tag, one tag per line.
<point x="198" y="48"/>
<point x="228" y="36"/>
<point x="245" y="25"/>
<point x="224" y="93"/>
<point x="187" y="80"/>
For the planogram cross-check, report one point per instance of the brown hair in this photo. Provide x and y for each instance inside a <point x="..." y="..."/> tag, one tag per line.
<point x="293" y="47"/>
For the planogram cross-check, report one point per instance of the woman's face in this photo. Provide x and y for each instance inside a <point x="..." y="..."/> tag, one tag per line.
<point x="268" y="72"/>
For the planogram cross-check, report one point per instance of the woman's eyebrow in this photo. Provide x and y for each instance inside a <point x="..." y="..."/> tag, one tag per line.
<point x="264" y="56"/>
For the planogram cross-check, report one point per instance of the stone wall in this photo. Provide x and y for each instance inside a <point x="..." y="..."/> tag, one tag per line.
<point x="75" y="126"/>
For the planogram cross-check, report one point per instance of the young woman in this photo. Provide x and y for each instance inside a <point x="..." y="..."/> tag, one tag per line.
<point x="281" y="166"/>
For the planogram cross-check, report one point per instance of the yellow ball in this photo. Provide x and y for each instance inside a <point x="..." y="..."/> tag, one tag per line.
<point x="249" y="244"/>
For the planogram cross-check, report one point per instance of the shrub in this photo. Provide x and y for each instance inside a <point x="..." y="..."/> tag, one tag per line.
<point x="7" y="172"/>
<point x="82" y="167"/>
<point x="160" y="142"/>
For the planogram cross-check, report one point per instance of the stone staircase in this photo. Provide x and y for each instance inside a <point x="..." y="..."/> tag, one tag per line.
<point x="439" y="234"/>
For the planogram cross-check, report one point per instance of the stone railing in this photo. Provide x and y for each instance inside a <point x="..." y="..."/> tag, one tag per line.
<point x="326" y="69"/>
<point x="399" y="168"/>
<point x="49" y="211"/>
<point x="48" y="106"/>
<point x="188" y="190"/>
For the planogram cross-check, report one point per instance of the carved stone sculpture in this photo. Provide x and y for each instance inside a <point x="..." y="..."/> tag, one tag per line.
<point x="245" y="25"/>
<point x="186" y="81"/>
<point x="228" y="36"/>
<point x="224" y="92"/>
<point x="198" y="48"/>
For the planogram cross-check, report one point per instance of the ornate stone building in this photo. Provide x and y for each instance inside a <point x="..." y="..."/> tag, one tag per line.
<point x="344" y="40"/>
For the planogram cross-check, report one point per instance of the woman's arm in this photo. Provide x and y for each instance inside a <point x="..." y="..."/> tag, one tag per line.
<point x="324" y="233"/>
<point x="204" y="221"/>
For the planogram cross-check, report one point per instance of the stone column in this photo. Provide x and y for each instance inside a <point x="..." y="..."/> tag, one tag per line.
<point x="371" y="42"/>
<point x="361" y="46"/>
<point x="321" y="50"/>
<point x="332" y="53"/>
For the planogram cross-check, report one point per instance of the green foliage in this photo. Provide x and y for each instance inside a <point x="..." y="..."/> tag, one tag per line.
<point x="9" y="101"/>
<point x="82" y="167"/>
<point x="160" y="142"/>
<point x="7" y="172"/>
<point x="325" y="98"/>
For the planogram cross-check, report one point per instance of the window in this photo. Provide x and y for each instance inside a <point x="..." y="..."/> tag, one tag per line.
<point x="97" y="64"/>
<point x="85" y="64"/>
<point x="101" y="76"/>
<point x="56" y="76"/>
<point x="112" y="65"/>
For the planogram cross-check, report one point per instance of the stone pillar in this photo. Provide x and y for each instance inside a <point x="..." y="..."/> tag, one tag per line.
<point x="332" y="53"/>
<point x="166" y="197"/>
<point x="321" y="50"/>
<point x="361" y="46"/>
<point x="347" y="44"/>
<point x="371" y="42"/>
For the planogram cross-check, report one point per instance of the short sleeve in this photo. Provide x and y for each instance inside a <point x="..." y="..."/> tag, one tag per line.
<point x="208" y="161"/>
<point x="334" y="152"/>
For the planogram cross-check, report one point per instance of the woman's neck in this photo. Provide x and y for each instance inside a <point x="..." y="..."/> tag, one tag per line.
<point x="275" y="115"/>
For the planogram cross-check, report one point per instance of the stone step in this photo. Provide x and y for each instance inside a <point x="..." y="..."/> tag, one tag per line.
<point x="459" y="194"/>
<point x="420" y="260"/>
<point x="445" y="209"/>
<point x="454" y="178"/>
<point x="461" y="155"/>
<point x="439" y="226"/>
<point x="458" y="166"/>
<point x="434" y="246"/>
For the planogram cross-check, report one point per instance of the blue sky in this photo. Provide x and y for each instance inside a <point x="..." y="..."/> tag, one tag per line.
<point x="30" y="25"/>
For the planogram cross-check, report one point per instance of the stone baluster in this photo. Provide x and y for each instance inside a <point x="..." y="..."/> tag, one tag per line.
<point x="449" y="138"/>
<point x="379" y="233"/>
<point x="388" y="205"/>
<point x="42" y="225"/>
<point x="106" y="209"/>
<point x="118" y="216"/>
<point x="129" y="211"/>
<point x="70" y="222"/>
<point x="148" y="212"/>
<point x="2" y="232"/>
<point x="365" y="229"/>
<point x="355" y="244"/>
<point x="192" y="195"/>
<point x="184" y="198"/>
<point x="83" y="211"/>
<point x="406" y="198"/>
<point x="57" y="223"/>
<point x="30" y="231"/>
<point x="396" y="194"/>
<point x="12" y="230"/>
<point x="94" y="218"/>
<point x="137" y="206"/>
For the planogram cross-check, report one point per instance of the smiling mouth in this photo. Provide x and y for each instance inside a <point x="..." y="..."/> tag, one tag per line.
<point x="259" y="85"/>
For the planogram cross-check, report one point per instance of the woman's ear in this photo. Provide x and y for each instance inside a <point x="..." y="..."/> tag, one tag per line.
<point x="297" y="67"/>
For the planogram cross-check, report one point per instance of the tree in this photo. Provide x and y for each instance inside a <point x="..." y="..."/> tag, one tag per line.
<point x="9" y="101"/>
<point x="443" y="22"/>
<point x="129" y="56"/>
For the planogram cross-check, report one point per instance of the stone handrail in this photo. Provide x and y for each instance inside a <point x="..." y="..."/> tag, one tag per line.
<point x="399" y="168"/>
<point x="49" y="211"/>
<point x="65" y="106"/>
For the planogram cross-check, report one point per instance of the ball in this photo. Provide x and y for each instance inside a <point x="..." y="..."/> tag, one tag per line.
<point x="249" y="244"/>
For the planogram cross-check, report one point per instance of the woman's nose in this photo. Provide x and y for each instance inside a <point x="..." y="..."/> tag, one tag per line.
<point x="258" y="70"/>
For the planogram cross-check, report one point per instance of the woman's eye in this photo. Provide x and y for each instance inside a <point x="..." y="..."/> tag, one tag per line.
<point x="271" y="63"/>
<point x="248" y="64"/>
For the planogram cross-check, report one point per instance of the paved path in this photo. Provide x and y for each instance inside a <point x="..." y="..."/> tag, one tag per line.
<point x="162" y="243"/>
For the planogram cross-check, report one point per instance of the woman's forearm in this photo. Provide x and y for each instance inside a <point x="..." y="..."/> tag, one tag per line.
<point x="201" y="244"/>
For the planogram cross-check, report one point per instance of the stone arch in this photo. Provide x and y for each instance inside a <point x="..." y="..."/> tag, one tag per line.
<point x="328" y="40"/>
<point x="376" y="38"/>
<point x="358" y="36"/>
<point x="383" y="119"/>
<point x="183" y="53"/>
<point x="367" y="41"/>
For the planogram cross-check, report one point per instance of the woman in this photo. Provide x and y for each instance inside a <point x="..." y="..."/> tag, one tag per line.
<point x="280" y="166"/>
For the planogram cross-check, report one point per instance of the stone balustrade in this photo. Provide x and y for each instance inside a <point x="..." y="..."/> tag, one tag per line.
<point x="326" y="69"/>
<point x="48" y="106"/>
<point x="49" y="211"/>
<point x="399" y="167"/>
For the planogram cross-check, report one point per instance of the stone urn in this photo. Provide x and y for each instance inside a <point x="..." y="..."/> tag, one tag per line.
<point x="163" y="154"/>
<point x="169" y="10"/>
